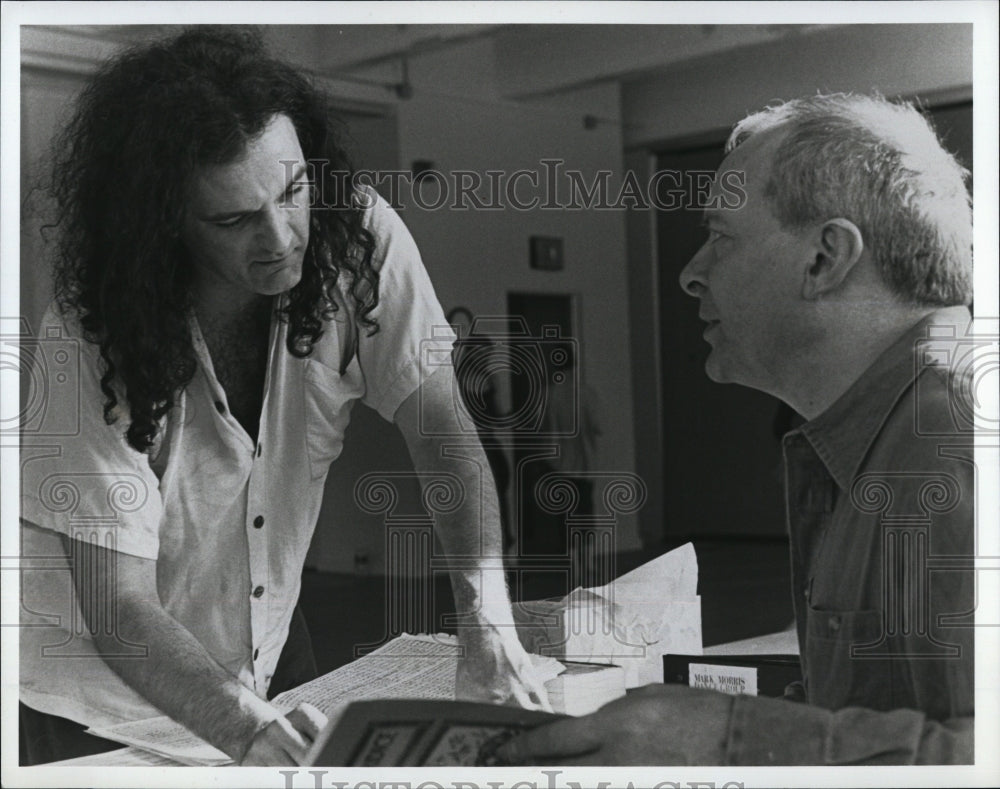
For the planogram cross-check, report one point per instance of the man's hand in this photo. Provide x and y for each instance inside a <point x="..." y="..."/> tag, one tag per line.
<point x="496" y="668"/>
<point x="657" y="724"/>
<point x="178" y="675"/>
<point x="285" y="741"/>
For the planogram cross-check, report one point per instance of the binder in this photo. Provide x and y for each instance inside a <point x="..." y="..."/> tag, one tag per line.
<point x="762" y="675"/>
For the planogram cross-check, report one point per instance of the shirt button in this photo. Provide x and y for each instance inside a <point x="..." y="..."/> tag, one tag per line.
<point x="258" y="592"/>
<point x="258" y="522"/>
<point x="256" y="652"/>
<point x="220" y="407"/>
<point x="834" y="624"/>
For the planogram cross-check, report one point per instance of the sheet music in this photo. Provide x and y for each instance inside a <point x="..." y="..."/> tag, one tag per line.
<point x="166" y="737"/>
<point x="123" y="757"/>
<point x="410" y="667"/>
<point x="420" y="667"/>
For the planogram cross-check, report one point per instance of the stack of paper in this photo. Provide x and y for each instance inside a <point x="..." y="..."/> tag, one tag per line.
<point x="585" y="687"/>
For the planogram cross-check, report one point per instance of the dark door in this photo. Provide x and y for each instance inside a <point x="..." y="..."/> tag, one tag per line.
<point x="547" y="319"/>
<point x="721" y="451"/>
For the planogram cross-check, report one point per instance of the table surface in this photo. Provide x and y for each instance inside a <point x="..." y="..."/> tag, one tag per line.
<point x="745" y="590"/>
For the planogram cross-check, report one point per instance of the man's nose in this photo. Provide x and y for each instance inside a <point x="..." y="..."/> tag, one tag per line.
<point x="275" y="231"/>
<point x="692" y="276"/>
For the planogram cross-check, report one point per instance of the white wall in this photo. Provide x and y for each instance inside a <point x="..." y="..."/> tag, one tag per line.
<point x="457" y="120"/>
<point x="714" y="92"/>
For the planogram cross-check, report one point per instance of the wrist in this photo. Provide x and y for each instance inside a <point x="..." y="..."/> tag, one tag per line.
<point x="254" y="715"/>
<point x="482" y="590"/>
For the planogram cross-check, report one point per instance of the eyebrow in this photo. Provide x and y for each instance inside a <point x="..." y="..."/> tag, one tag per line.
<point x="297" y="173"/>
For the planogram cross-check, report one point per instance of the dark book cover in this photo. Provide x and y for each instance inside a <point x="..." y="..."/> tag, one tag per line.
<point x="420" y="733"/>
<point x="771" y="673"/>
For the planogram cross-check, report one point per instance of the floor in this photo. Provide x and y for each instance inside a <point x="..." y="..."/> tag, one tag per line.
<point x="744" y="585"/>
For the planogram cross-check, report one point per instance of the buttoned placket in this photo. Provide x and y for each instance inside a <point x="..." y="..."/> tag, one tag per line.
<point x="255" y="514"/>
<point x="257" y="535"/>
<point x="809" y="501"/>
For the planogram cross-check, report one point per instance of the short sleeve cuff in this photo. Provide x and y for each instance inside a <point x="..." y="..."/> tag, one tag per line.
<point x="136" y="533"/>
<point x="434" y="354"/>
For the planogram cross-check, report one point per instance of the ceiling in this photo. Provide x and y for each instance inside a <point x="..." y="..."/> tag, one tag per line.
<point x="532" y="59"/>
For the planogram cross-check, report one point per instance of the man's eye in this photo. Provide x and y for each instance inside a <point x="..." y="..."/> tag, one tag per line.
<point x="231" y="222"/>
<point x="297" y="188"/>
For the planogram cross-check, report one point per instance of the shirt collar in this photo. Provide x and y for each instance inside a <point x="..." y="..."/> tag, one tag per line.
<point x="843" y="434"/>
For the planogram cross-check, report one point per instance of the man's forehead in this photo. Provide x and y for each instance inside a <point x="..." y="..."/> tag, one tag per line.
<point x="748" y="168"/>
<point x="754" y="155"/>
<point x="269" y="162"/>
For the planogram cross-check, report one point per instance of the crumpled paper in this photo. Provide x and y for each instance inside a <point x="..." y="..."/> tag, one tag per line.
<point x="631" y="622"/>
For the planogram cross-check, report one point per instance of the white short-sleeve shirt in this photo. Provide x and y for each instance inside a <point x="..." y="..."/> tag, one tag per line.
<point x="228" y="521"/>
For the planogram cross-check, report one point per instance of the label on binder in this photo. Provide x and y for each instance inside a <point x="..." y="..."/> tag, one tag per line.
<point x="726" y="679"/>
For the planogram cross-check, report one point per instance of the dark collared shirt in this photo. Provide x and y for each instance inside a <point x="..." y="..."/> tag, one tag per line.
<point x="880" y="501"/>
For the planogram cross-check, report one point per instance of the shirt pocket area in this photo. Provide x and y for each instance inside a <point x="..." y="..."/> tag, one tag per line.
<point x="836" y="678"/>
<point x="329" y="397"/>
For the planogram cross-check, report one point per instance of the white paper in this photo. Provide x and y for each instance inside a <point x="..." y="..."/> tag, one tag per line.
<point x="407" y="667"/>
<point x="735" y="680"/>
<point x="124" y="757"/>
<point x="632" y="621"/>
<point x="672" y="576"/>
<point x="166" y="737"/>
<point x="546" y="668"/>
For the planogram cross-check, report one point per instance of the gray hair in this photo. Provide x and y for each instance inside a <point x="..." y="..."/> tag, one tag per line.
<point x="880" y="165"/>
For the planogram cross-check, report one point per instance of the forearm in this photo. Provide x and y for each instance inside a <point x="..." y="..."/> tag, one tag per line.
<point x="470" y="533"/>
<point x="773" y="731"/>
<point x="468" y="526"/>
<point x="179" y="677"/>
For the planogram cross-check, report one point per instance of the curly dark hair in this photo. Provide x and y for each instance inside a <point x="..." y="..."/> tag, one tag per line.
<point x="122" y="169"/>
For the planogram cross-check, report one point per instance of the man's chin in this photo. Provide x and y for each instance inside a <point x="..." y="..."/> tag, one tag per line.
<point x="721" y="373"/>
<point x="715" y="370"/>
<point x="287" y="280"/>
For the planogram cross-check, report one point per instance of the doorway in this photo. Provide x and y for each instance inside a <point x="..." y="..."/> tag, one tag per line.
<point x="543" y="324"/>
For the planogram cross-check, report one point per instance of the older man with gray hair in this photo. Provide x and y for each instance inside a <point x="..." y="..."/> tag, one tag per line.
<point x="841" y="286"/>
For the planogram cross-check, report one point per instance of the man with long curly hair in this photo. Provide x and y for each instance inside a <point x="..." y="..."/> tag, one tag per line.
<point x="229" y="311"/>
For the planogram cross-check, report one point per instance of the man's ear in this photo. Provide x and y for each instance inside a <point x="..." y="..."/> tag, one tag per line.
<point x="839" y="248"/>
